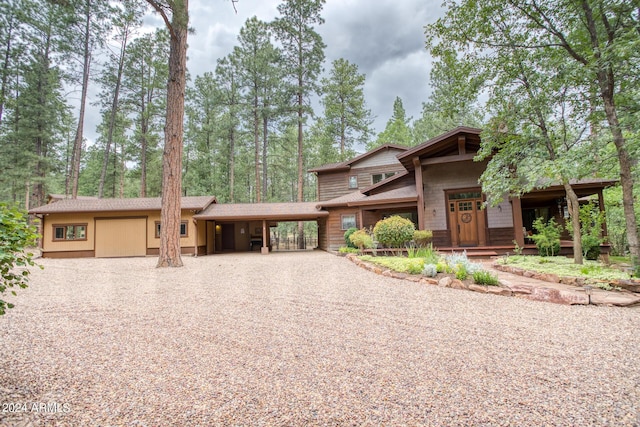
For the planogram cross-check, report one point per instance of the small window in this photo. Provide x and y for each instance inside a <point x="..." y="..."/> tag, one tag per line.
<point x="348" y="221"/>
<point x="69" y="232"/>
<point x="353" y="181"/>
<point x="377" y="177"/>
<point x="184" y="229"/>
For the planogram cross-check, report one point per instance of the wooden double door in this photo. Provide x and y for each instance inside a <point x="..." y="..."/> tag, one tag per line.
<point x="467" y="219"/>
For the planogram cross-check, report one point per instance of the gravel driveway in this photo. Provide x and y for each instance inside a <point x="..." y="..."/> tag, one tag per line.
<point x="303" y="339"/>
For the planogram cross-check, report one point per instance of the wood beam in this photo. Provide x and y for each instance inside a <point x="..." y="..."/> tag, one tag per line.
<point x="265" y="247"/>
<point x="516" y="212"/>
<point x="420" y="190"/>
<point x="462" y="141"/>
<point x="448" y="159"/>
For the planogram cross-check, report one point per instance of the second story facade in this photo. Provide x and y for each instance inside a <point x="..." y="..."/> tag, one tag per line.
<point x="338" y="179"/>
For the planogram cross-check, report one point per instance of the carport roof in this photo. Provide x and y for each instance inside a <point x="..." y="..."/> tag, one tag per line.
<point x="258" y="211"/>
<point x="196" y="203"/>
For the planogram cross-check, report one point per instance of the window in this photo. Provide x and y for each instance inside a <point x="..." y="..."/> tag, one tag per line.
<point x="348" y="221"/>
<point x="377" y="177"/>
<point x="184" y="229"/>
<point x="353" y="181"/>
<point x="70" y="232"/>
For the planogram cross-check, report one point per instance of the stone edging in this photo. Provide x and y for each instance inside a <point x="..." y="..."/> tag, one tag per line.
<point x="630" y="285"/>
<point x="505" y="289"/>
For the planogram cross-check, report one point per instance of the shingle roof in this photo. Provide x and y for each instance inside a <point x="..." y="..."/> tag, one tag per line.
<point x="398" y="195"/>
<point x="258" y="211"/>
<point x="114" y="205"/>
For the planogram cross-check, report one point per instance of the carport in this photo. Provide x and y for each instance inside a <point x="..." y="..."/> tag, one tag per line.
<point x="242" y="226"/>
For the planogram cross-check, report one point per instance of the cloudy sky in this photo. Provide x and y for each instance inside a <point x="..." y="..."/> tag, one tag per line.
<point x="385" y="38"/>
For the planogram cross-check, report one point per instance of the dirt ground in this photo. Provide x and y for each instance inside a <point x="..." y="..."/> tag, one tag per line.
<point x="304" y="338"/>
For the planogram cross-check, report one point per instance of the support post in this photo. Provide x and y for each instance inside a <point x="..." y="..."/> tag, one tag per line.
<point x="265" y="247"/>
<point x="420" y="190"/>
<point x="516" y="211"/>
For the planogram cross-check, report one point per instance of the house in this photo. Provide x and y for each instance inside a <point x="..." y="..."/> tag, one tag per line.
<point x="435" y="184"/>
<point x="438" y="188"/>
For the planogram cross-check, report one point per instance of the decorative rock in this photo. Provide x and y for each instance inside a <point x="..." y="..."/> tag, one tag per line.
<point x="457" y="284"/>
<point x="630" y="285"/>
<point x="445" y="282"/>
<point x="499" y="290"/>
<point x="558" y="296"/>
<point x="478" y="288"/>
<point x="520" y="289"/>
<point x="429" y="281"/>
<point x="387" y="273"/>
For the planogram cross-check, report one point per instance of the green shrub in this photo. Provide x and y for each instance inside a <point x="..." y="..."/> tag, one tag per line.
<point x="430" y="270"/>
<point x="422" y="238"/>
<point x="15" y="236"/>
<point x="483" y="277"/>
<point x="347" y="250"/>
<point x="347" y="234"/>
<point x="427" y="253"/>
<point x="461" y="272"/>
<point x="547" y="238"/>
<point x="394" y="232"/>
<point x="442" y="267"/>
<point x="415" y="266"/>
<point x="361" y="239"/>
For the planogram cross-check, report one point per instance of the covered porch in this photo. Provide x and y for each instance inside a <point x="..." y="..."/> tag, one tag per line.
<point x="245" y="227"/>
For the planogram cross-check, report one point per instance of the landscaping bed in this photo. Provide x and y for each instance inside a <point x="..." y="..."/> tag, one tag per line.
<point x="563" y="270"/>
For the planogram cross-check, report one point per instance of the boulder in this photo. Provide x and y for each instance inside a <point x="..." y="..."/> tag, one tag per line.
<point x="478" y="288"/>
<point x="457" y="284"/>
<point x="499" y="290"/>
<point x="429" y="281"/>
<point x="445" y="282"/>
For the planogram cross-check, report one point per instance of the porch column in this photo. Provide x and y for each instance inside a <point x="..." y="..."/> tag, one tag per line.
<point x="516" y="211"/>
<point x="601" y="206"/>
<point x="195" y="249"/>
<point x="360" y="219"/>
<point x="420" y="190"/>
<point x="265" y="247"/>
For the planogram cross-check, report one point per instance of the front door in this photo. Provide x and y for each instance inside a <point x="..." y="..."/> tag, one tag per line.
<point x="467" y="222"/>
<point x="466" y="219"/>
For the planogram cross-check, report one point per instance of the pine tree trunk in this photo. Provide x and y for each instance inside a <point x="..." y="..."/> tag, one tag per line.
<point x="300" y="169"/>
<point x="112" y="116"/>
<point x="173" y="148"/>
<point x="574" y="213"/>
<point x="265" y="134"/>
<point x="256" y="142"/>
<point x="77" y="144"/>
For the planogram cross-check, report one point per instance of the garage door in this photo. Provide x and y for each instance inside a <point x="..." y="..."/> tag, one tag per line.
<point x="121" y="237"/>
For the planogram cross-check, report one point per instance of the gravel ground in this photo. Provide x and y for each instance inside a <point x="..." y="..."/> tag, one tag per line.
<point x="303" y="339"/>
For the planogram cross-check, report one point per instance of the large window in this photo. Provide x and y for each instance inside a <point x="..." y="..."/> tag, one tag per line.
<point x="68" y="232"/>
<point x="184" y="229"/>
<point x="377" y="177"/>
<point x="348" y="221"/>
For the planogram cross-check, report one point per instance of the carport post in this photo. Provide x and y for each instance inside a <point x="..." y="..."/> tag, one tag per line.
<point x="265" y="249"/>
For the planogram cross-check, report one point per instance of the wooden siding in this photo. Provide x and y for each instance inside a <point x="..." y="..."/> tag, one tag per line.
<point x="501" y="236"/>
<point x="441" y="177"/>
<point x="500" y="217"/>
<point x="441" y="238"/>
<point x="381" y="158"/>
<point x="335" y="234"/>
<point x="332" y="185"/>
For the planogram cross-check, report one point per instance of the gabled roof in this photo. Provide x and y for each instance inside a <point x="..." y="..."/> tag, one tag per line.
<point x="439" y="144"/>
<point x="346" y="165"/>
<point x="293" y="211"/>
<point x="196" y="203"/>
